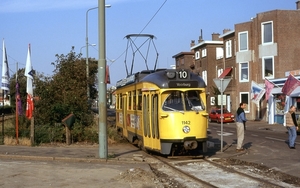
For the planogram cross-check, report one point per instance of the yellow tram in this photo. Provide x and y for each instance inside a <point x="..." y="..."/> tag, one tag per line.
<point x="163" y="111"/>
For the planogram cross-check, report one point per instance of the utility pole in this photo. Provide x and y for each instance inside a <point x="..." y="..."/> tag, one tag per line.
<point x="103" y="150"/>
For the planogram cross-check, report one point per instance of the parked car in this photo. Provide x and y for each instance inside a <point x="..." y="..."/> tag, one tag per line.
<point x="215" y="115"/>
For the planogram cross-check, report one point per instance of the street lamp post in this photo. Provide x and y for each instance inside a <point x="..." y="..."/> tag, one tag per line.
<point x="87" y="48"/>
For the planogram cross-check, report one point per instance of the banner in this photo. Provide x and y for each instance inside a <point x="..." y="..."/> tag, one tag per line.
<point x="5" y="71"/>
<point x="107" y="76"/>
<point x="29" y="90"/>
<point x="268" y="87"/>
<point x="290" y="85"/>
<point x="256" y="92"/>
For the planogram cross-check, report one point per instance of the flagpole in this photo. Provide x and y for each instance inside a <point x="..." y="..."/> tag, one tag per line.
<point x="3" y="116"/>
<point x="17" y="113"/>
<point x="29" y="106"/>
<point x="4" y="84"/>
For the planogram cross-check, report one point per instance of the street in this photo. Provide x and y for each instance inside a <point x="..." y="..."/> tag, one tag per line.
<point x="264" y="145"/>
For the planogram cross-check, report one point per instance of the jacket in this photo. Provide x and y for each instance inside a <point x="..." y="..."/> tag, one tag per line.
<point x="240" y="116"/>
<point x="290" y="119"/>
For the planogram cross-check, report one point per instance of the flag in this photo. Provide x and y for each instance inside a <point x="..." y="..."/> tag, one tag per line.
<point x="268" y="87"/>
<point x="290" y="85"/>
<point x="107" y="76"/>
<point x="5" y="72"/>
<point x="29" y="90"/>
<point x="18" y="99"/>
<point x="256" y="92"/>
<point x="29" y="106"/>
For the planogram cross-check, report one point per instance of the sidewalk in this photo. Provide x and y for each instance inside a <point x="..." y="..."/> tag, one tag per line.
<point x="116" y="152"/>
<point x="121" y="154"/>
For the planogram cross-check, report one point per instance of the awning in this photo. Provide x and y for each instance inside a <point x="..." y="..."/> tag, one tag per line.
<point x="225" y="72"/>
<point x="295" y="93"/>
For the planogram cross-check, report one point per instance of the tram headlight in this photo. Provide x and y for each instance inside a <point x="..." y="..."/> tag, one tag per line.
<point x="186" y="129"/>
<point x="171" y="75"/>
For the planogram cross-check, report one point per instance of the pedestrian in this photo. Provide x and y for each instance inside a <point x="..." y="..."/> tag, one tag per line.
<point x="292" y="126"/>
<point x="240" y="129"/>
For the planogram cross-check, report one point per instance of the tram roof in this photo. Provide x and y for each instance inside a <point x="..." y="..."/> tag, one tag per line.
<point x="160" y="79"/>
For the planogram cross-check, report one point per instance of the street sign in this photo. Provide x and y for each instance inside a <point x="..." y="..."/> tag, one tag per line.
<point x="222" y="86"/>
<point x="221" y="98"/>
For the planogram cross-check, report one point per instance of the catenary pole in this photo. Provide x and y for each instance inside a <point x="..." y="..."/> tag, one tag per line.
<point x="102" y="82"/>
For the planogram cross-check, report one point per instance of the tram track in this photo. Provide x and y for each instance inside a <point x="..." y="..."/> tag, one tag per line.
<point x="184" y="173"/>
<point x="212" y="173"/>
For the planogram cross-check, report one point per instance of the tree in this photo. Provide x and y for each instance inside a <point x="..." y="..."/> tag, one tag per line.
<point x="65" y="92"/>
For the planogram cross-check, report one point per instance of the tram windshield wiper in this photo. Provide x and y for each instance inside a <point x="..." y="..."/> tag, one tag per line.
<point x="172" y="109"/>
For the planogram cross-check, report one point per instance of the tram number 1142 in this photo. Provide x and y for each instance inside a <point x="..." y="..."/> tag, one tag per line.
<point x="185" y="122"/>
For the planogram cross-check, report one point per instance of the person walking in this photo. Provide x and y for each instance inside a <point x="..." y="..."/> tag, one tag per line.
<point x="240" y="128"/>
<point x="292" y="126"/>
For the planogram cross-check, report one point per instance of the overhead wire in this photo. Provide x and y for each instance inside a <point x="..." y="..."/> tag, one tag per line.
<point x="141" y="30"/>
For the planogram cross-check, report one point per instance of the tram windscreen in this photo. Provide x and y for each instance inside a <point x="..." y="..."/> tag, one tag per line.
<point x="183" y="101"/>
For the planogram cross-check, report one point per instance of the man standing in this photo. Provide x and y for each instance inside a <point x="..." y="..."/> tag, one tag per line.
<point x="292" y="126"/>
<point x="240" y="129"/>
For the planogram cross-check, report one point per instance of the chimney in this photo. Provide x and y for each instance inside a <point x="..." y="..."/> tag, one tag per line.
<point x="215" y="36"/>
<point x="225" y="30"/>
<point x="200" y="37"/>
<point x="192" y="43"/>
<point x="298" y="5"/>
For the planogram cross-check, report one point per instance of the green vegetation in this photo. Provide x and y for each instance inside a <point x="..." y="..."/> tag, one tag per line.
<point x="55" y="97"/>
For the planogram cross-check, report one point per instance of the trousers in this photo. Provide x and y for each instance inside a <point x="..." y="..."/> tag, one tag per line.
<point x="240" y="131"/>
<point x="292" y="135"/>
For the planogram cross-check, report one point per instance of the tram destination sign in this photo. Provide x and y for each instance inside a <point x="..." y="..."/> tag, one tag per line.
<point x="183" y="84"/>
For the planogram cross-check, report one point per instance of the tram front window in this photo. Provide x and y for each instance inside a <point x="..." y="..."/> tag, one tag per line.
<point x="183" y="101"/>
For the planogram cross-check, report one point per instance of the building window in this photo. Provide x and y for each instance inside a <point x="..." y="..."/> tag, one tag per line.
<point x="197" y="55"/>
<point x="243" y="41"/>
<point x="244" y="72"/>
<point x="268" y="67"/>
<point x="220" y="71"/>
<point x="219" y="53"/>
<point x="267" y="32"/>
<point x="204" y="76"/>
<point x="244" y="97"/>
<point x="228" y="49"/>
<point x="203" y="52"/>
<point x="182" y="61"/>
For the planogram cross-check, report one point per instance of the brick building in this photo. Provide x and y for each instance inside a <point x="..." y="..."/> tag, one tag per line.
<point x="265" y="47"/>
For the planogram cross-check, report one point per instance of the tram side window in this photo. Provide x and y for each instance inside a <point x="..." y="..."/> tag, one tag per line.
<point x="139" y="101"/>
<point x="129" y="100"/>
<point x="134" y="100"/>
<point x="120" y="103"/>
<point x="117" y="101"/>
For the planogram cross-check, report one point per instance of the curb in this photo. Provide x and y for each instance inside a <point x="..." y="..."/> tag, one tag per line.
<point x="70" y="159"/>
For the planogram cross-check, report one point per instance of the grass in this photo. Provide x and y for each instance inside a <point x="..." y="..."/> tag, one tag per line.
<point x="13" y="141"/>
<point x="87" y="135"/>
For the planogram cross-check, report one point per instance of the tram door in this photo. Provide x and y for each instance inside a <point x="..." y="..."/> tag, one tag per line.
<point x="150" y="121"/>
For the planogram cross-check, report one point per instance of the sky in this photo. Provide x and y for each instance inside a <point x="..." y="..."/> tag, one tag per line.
<point x="53" y="26"/>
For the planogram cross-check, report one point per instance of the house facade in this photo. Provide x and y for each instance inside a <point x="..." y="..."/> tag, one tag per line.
<point x="265" y="47"/>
